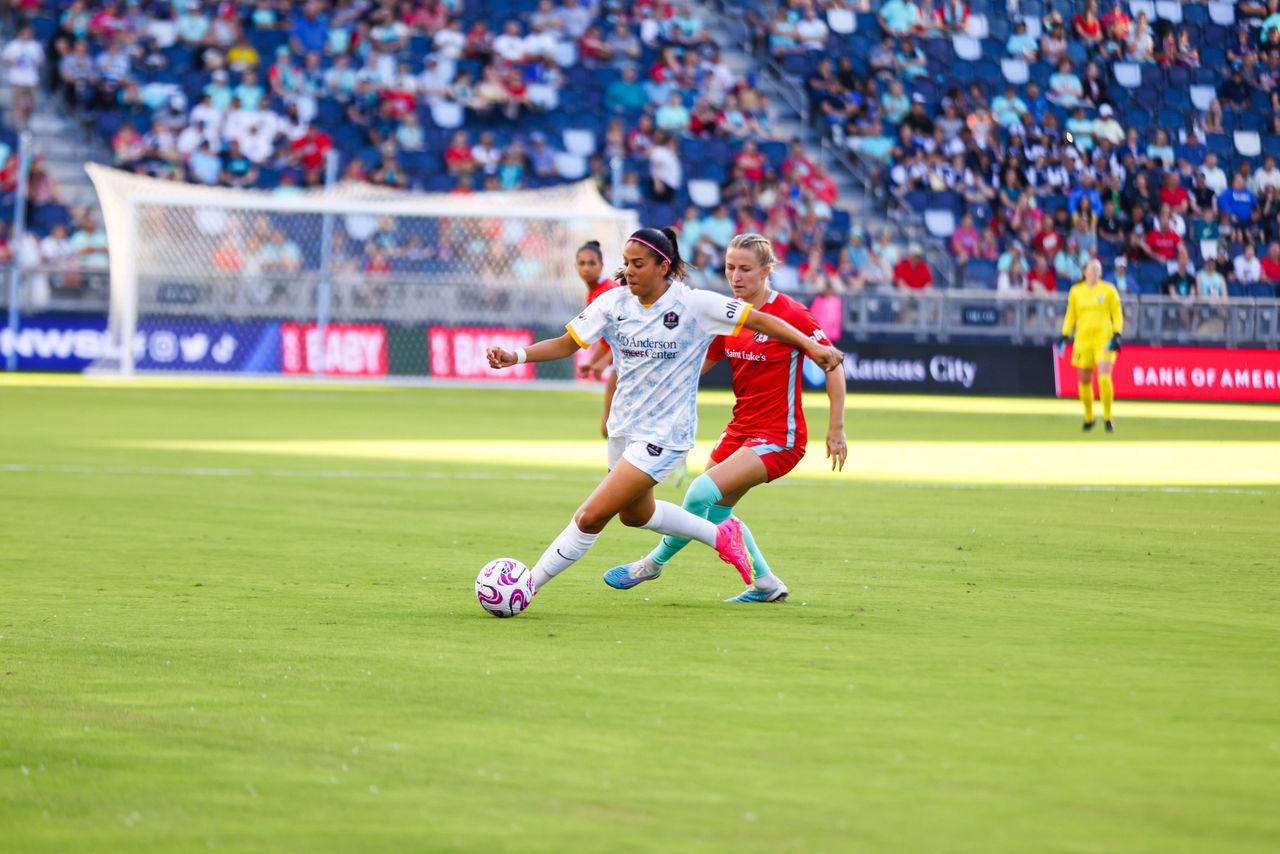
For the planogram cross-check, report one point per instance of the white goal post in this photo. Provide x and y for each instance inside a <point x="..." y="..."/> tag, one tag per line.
<point x="301" y="281"/>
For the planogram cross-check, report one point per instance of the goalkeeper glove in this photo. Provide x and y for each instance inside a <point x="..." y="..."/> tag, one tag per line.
<point x="1061" y="346"/>
<point x="1114" y="346"/>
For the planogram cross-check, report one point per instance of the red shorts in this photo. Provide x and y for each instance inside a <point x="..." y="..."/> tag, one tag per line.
<point x="778" y="459"/>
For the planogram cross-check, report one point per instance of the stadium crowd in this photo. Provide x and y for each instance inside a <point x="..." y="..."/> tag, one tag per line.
<point x="441" y="96"/>
<point x="1035" y="140"/>
<point x="1030" y="141"/>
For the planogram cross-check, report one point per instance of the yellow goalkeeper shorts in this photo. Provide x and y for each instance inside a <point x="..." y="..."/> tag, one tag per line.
<point x="1088" y="354"/>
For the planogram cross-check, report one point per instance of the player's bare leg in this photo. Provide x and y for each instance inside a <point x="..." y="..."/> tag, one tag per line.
<point x="627" y="492"/>
<point x="1085" y="387"/>
<point x="712" y="495"/>
<point x="1107" y="391"/>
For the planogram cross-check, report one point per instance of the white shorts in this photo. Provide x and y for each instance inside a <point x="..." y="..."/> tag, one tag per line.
<point x="654" y="461"/>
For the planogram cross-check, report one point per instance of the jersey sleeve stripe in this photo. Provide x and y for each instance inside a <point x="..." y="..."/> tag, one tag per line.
<point x="574" y="336"/>
<point x="746" y="309"/>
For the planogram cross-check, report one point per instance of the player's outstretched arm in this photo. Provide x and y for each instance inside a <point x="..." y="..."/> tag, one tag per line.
<point x="837" y="444"/>
<point x="543" y="351"/>
<point x="828" y="358"/>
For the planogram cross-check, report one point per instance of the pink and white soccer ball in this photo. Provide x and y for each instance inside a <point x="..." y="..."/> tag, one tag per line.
<point x="504" y="587"/>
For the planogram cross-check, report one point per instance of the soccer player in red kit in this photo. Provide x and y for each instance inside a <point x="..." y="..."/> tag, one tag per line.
<point x="766" y="435"/>
<point x="596" y="361"/>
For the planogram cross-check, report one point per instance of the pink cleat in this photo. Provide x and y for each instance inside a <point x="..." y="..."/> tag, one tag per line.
<point x="733" y="550"/>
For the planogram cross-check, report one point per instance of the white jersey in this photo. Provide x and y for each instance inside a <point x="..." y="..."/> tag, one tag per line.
<point x="658" y="353"/>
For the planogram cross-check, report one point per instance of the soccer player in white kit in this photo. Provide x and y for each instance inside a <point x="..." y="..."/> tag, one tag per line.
<point x="659" y="330"/>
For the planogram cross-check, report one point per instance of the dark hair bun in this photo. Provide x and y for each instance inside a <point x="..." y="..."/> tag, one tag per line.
<point x="592" y="244"/>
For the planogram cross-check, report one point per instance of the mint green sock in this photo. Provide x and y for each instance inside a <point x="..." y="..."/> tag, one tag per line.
<point x="718" y="514"/>
<point x="698" y="500"/>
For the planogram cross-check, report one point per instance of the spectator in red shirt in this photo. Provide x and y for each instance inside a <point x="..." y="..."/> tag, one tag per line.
<point x="310" y="148"/>
<point x="912" y="273"/>
<point x="457" y="157"/>
<point x="1162" y="241"/>
<point x="1041" y="279"/>
<point x="751" y="161"/>
<point x="1174" y="194"/>
<point x="1047" y="240"/>
<point x="797" y="166"/>
<point x="1271" y="264"/>
<point x="1086" y="24"/>
<point x="823" y="185"/>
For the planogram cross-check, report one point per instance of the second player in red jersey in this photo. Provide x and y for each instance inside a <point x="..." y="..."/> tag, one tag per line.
<point x="766" y="436"/>
<point x="596" y="361"/>
<point x="767" y="414"/>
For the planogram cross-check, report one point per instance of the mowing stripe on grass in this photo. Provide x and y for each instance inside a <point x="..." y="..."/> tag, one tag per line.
<point x="1031" y="463"/>
<point x="375" y="474"/>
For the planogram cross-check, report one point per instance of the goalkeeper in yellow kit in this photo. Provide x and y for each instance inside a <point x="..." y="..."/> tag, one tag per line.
<point x="1093" y="309"/>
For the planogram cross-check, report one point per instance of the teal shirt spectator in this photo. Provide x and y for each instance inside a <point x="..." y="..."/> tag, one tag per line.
<point x="339" y="40"/>
<point x="900" y="15"/>
<point x="264" y="17"/>
<point x="1081" y="130"/>
<point x="1161" y="152"/>
<point x="410" y="137"/>
<point x="1008" y="111"/>
<point x="1070" y="266"/>
<point x="1019" y="44"/>
<point x="1271" y="22"/>
<point x="78" y="24"/>
<point x="625" y="96"/>
<point x="672" y="117"/>
<point x="1005" y="261"/>
<point x="510" y="175"/>
<point x="878" y="148"/>
<point x="1066" y="88"/>
<point x="783" y="35"/>
<point x="1211" y="283"/>
<point x="340" y="81"/>
<point x="719" y="229"/>
<point x="250" y="95"/>
<point x="191" y="27"/>
<point x="219" y="94"/>
<point x="895" y="107"/>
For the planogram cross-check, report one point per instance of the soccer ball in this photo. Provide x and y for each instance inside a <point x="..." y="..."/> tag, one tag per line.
<point x="504" y="587"/>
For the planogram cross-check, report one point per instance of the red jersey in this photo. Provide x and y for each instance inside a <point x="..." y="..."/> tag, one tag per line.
<point x="767" y="374"/>
<point x="592" y="295"/>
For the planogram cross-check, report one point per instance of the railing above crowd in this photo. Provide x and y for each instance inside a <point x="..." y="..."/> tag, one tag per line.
<point x="870" y="313"/>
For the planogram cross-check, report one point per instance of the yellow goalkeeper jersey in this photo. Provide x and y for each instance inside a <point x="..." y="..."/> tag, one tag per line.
<point x="1094" y="311"/>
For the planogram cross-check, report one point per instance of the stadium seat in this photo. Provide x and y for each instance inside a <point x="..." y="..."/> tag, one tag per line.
<point x="842" y="21"/>
<point x="579" y="141"/>
<point x="704" y="193"/>
<point x="1195" y="13"/>
<point x="967" y="48"/>
<point x="1262" y="290"/>
<point x="570" y="166"/>
<point x="1213" y="56"/>
<point x="1223" y="14"/>
<point x="1128" y="74"/>
<point x="1177" y="77"/>
<point x="1138" y="7"/>
<point x="1248" y="143"/>
<point x="1235" y="290"/>
<point x="1015" y="71"/>
<point x="1202" y="97"/>
<point x="1169" y="10"/>
<point x="940" y="222"/>
<point x="978" y="27"/>
<point x="447" y="114"/>
<point x="916" y="200"/>
<point x="980" y="274"/>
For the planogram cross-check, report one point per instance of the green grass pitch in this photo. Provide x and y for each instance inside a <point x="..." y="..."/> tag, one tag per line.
<point x="283" y="653"/>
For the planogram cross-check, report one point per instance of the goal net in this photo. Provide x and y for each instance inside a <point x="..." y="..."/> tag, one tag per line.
<point x="353" y="281"/>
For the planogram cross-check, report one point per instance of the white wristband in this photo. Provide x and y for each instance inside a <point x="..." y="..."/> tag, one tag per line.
<point x="521" y="356"/>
